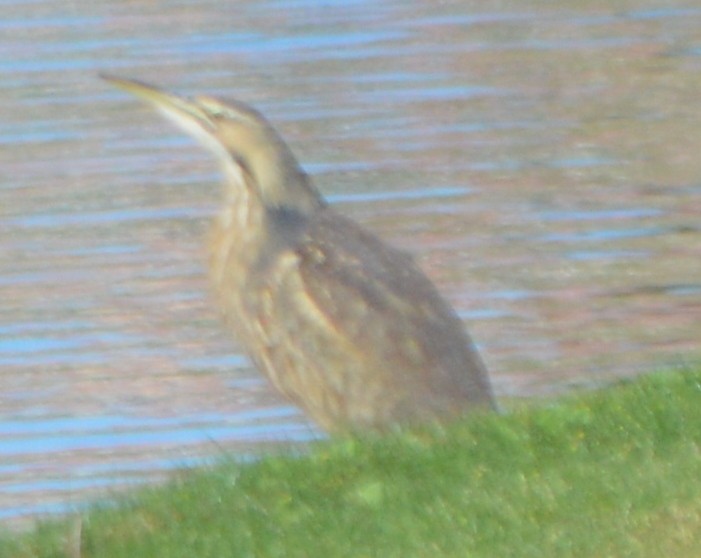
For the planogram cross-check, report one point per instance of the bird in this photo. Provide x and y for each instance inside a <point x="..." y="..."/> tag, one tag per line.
<point x="345" y="326"/>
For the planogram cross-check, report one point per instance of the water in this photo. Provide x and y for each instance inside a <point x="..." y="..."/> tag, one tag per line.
<point x="540" y="161"/>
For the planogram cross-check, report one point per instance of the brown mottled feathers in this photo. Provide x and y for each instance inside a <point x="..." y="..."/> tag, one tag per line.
<point x="397" y="349"/>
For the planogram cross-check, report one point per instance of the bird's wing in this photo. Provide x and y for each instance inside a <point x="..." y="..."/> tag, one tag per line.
<point x="382" y="304"/>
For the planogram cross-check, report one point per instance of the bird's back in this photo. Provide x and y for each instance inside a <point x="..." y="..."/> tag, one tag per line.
<point x="352" y="331"/>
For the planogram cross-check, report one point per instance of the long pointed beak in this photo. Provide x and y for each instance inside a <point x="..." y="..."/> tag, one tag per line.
<point x="181" y="110"/>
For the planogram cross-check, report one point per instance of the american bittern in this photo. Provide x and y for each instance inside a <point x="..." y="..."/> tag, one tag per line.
<point x="345" y="326"/>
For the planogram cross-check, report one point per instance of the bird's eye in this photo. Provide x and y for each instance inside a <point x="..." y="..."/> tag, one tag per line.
<point x="217" y="110"/>
<point x="213" y="108"/>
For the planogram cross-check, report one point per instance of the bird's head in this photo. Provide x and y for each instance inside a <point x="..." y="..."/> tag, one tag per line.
<point x="243" y="141"/>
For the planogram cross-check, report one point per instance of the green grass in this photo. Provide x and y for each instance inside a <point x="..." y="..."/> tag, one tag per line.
<point x="611" y="473"/>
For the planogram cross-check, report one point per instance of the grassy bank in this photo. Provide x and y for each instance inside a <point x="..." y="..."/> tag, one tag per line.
<point x="611" y="473"/>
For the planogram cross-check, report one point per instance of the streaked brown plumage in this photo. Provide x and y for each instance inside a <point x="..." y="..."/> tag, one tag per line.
<point x="345" y="326"/>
